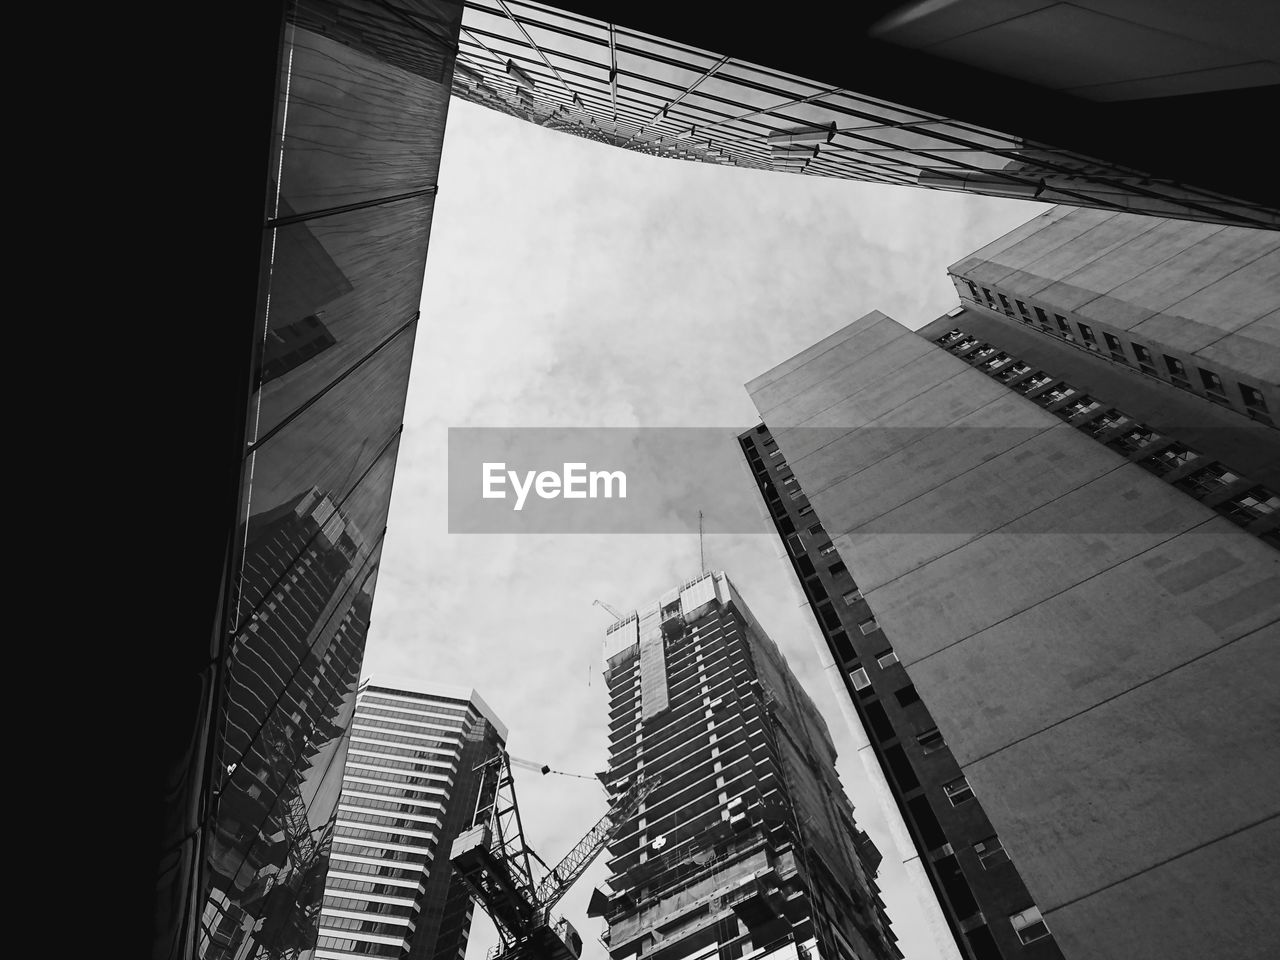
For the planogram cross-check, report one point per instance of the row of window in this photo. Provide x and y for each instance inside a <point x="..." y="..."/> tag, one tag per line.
<point x="370" y="906"/>
<point x="367" y="886"/>
<point x="1247" y="506"/>
<point x="422" y="740"/>
<point x="424" y="707"/>
<point x="401" y="856"/>
<point x="400" y="763"/>
<point x="1254" y="402"/>
<point x="365" y="713"/>
<point x="385" y="869"/>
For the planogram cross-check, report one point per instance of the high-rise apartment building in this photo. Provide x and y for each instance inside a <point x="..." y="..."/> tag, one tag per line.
<point x="1096" y="647"/>
<point x="619" y="82"/>
<point x="408" y="788"/>
<point x="976" y="883"/>
<point x="1157" y="338"/>
<point x="746" y="847"/>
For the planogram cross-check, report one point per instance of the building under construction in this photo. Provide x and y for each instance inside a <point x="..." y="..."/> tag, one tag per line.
<point x="746" y="846"/>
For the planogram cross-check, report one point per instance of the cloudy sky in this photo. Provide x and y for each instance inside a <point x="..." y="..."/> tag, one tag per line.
<point x="573" y="284"/>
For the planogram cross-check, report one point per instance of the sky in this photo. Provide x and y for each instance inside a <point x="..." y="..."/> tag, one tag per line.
<point x="574" y="284"/>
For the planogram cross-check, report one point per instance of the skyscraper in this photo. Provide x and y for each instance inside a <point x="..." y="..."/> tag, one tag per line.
<point x="967" y="867"/>
<point x="1095" y="647"/>
<point x="407" y="789"/>
<point x="1157" y="338"/>
<point x="642" y="83"/>
<point x="747" y="845"/>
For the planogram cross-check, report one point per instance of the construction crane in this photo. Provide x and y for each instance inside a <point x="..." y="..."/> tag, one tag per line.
<point x="497" y="865"/>
<point x="608" y="609"/>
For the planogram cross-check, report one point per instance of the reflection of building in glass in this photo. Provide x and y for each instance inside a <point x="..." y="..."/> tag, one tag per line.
<point x="629" y="88"/>
<point x="747" y="845"/>
<point x="1073" y="625"/>
<point x="408" y="788"/>
<point x="252" y="756"/>
<point x="290" y="681"/>
<point x="963" y="859"/>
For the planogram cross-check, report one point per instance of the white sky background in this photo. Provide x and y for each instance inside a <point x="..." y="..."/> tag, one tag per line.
<point x="570" y="283"/>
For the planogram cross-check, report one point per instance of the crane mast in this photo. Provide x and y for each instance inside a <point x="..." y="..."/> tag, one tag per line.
<point x="496" y="864"/>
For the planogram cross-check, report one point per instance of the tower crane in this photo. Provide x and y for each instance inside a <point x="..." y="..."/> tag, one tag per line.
<point x="608" y="609"/>
<point x="497" y="865"/>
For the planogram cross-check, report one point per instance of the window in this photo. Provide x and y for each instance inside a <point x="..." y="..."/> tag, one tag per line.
<point x="950" y="337"/>
<point x="852" y="597"/>
<point x="1064" y="328"/>
<point x="837" y="568"/>
<point x="1253" y="398"/>
<point x="826" y="549"/>
<point x="1013" y="372"/>
<point x="1079" y="407"/>
<point x="1059" y="391"/>
<point x="1142" y="353"/>
<point x="1206" y="480"/>
<point x="805" y="511"/>
<point x="1004" y="302"/>
<point x="982" y="352"/>
<point x="1169" y="459"/>
<point x="1177" y="372"/>
<point x="1034" y="382"/>
<point x="1022" y="309"/>
<point x="907" y="695"/>
<point x="995" y="361"/>
<point x="1250" y="505"/>
<point x="886" y="659"/>
<point x="1112" y="418"/>
<point x="931" y="741"/>
<point x="868" y="626"/>
<point x="1029" y="925"/>
<point x="860" y="679"/>
<point x="990" y="300"/>
<point x="1212" y="382"/>
<point x="1134" y="440"/>
<point x="973" y="288"/>
<point x="843" y="647"/>
<point x="1116" y="348"/>
<point x="816" y="529"/>
<point x="1040" y="315"/>
<point x="991" y="852"/>
<point x="958" y="791"/>
<point x="789" y="481"/>
<point x="1086" y="332"/>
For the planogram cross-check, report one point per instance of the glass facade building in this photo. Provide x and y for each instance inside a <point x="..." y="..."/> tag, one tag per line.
<point x="746" y="846"/>
<point x="253" y="751"/>
<point x="596" y="79"/>
<point x="408" y="788"/>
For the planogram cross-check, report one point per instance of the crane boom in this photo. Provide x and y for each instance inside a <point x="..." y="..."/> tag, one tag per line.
<point x="493" y="860"/>
<point x="570" y="868"/>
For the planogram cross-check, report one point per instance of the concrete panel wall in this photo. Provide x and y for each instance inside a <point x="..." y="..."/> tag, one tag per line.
<point x="1098" y="649"/>
<point x="1191" y="290"/>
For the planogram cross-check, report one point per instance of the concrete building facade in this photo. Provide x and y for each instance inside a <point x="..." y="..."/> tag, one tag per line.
<point x="1158" y="339"/>
<point x="1097" y="649"/>
<point x="746" y="847"/>
<point x="408" y="789"/>
<point x="970" y="872"/>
